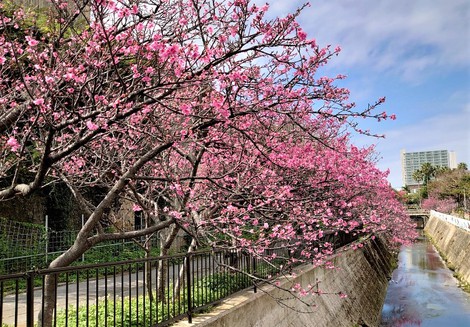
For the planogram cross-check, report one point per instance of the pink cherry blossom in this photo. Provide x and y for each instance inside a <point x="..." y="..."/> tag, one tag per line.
<point x="185" y="109"/>
<point x="31" y="42"/>
<point x="91" y="125"/>
<point x="39" y="102"/>
<point x="49" y="79"/>
<point x="221" y="127"/>
<point x="13" y="144"/>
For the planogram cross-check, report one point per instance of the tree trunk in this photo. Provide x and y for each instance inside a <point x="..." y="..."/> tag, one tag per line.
<point x="182" y="271"/>
<point x="165" y="244"/>
<point x="45" y="315"/>
<point x="162" y="277"/>
<point x="50" y="282"/>
<point x="148" y="268"/>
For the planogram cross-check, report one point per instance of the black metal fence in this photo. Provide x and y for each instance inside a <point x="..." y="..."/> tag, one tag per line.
<point x="144" y="292"/>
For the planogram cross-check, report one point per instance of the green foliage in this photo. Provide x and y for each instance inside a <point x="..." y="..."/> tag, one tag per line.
<point x="444" y="183"/>
<point x="33" y="20"/>
<point x="224" y="283"/>
<point x="412" y="199"/>
<point x="115" y="252"/>
<point x="425" y="173"/>
<point x="22" y="240"/>
<point x="39" y="20"/>
<point x="462" y="166"/>
<point x="110" y="312"/>
<point x="423" y="192"/>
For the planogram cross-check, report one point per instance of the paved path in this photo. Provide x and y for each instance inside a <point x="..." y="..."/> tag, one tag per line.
<point x="122" y="285"/>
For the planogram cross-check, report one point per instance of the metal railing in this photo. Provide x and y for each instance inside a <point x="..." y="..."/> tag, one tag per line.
<point x="459" y="222"/>
<point x="417" y="212"/>
<point x="144" y="292"/>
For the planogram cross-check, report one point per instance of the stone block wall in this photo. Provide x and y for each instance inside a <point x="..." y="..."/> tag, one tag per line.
<point x="453" y="243"/>
<point x="361" y="274"/>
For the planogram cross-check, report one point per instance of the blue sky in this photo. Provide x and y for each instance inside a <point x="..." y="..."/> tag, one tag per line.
<point x="416" y="53"/>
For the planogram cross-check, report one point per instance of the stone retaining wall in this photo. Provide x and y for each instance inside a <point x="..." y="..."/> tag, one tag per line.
<point x="361" y="274"/>
<point x="453" y="243"/>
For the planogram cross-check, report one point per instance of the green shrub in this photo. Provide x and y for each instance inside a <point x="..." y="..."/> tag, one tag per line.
<point x="131" y="310"/>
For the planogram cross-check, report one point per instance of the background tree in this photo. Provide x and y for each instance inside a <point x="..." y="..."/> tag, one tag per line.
<point x="453" y="185"/>
<point x="445" y="205"/>
<point x="206" y="115"/>
<point x="462" y="166"/>
<point x="425" y="173"/>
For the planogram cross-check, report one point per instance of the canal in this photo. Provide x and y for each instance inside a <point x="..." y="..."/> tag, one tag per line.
<point x="424" y="292"/>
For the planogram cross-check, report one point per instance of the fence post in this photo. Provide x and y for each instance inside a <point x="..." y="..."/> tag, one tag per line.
<point x="47" y="239"/>
<point x="254" y="272"/>
<point x="29" y="299"/>
<point x="188" y="277"/>
<point x="83" y="223"/>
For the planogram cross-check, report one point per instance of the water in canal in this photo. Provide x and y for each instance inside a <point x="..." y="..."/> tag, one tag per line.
<point x="423" y="292"/>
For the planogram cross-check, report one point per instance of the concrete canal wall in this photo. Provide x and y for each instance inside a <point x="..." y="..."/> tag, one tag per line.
<point x="453" y="243"/>
<point x="361" y="274"/>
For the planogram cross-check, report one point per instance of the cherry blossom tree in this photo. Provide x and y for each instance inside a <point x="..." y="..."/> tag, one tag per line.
<point x="205" y="114"/>
<point x="446" y="205"/>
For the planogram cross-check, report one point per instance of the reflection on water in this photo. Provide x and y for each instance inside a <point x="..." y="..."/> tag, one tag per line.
<point x="423" y="292"/>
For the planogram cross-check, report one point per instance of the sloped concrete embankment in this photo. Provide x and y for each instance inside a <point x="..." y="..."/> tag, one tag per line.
<point x="361" y="274"/>
<point x="453" y="243"/>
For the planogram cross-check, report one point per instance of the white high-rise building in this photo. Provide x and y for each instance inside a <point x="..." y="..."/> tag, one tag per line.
<point x="412" y="161"/>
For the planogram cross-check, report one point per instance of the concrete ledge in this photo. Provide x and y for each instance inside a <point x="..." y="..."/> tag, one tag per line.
<point x="361" y="274"/>
<point x="453" y="243"/>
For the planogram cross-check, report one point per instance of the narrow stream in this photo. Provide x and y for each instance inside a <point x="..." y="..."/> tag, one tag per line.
<point x="423" y="291"/>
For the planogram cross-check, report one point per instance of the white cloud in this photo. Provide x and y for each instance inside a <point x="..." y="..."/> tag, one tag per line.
<point x="409" y="38"/>
<point x="391" y="47"/>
